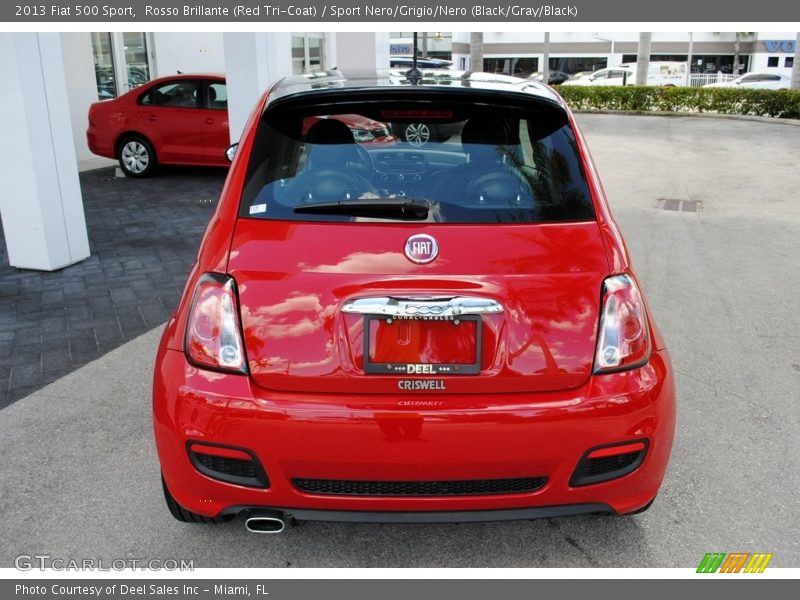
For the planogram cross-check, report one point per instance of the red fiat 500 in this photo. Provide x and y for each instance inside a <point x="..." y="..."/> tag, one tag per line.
<point x="393" y="333"/>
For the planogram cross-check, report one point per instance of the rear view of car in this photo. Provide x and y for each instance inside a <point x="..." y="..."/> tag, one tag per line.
<point x="395" y="333"/>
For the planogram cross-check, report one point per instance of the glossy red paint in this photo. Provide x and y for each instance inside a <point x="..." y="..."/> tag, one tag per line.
<point x="307" y="410"/>
<point x="296" y="339"/>
<point x="179" y="135"/>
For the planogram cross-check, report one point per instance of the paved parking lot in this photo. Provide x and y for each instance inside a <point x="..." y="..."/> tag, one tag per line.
<point x="143" y="237"/>
<point x="80" y="476"/>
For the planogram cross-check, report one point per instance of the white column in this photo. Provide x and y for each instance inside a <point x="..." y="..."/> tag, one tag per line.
<point x="253" y="61"/>
<point x="362" y="51"/>
<point x="41" y="203"/>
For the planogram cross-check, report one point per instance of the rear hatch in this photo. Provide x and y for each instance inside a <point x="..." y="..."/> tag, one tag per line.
<point x="470" y="266"/>
<point x="295" y="279"/>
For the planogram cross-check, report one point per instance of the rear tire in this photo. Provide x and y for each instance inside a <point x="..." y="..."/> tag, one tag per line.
<point x="183" y="515"/>
<point x="136" y="156"/>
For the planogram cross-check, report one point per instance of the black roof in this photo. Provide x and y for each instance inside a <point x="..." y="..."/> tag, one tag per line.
<point x="333" y="81"/>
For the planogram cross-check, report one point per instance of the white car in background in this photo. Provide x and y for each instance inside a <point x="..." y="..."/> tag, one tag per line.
<point x="614" y="76"/>
<point x="758" y="81"/>
<point x="663" y="73"/>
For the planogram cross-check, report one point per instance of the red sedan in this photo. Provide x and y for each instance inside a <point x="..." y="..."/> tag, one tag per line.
<point x="176" y="120"/>
<point x="181" y="120"/>
<point x="382" y="333"/>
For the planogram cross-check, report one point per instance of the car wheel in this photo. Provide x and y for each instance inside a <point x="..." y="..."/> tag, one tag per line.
<point x="417" y="134"/>
<point x="136" y="157"/>
<point x="183" y="515"/>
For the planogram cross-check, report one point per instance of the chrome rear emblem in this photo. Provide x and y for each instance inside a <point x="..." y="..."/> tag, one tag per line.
<point x="421" y="248"/>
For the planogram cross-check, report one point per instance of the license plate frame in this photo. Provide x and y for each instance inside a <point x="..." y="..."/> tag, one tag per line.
<point x="429" y="369"/>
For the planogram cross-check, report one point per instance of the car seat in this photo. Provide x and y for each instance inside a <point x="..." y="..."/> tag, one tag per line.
<point x="327" y="176"/>
<point x="491" y="175"/>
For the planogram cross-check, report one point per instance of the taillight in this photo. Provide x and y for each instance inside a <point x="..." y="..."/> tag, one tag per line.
<point x="624" y="338"/>
<point x="213" y="338"/>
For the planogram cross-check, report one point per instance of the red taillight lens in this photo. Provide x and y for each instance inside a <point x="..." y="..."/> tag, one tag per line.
<point x="213" y="338"/>
<point x="624" y="338"/>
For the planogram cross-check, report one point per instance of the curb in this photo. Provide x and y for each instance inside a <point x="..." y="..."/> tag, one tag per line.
<point x="697" y="115"/>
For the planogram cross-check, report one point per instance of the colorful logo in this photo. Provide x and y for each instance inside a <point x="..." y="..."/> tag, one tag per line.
<point x="736" y="562"/>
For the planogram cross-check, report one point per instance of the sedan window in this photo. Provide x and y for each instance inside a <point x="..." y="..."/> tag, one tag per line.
<point x="217" y="96"/>
<point x="176" y="94"/>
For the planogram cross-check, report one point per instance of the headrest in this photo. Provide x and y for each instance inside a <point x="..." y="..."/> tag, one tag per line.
<point x="329" y="131"/>
<point x="486" y="130"/>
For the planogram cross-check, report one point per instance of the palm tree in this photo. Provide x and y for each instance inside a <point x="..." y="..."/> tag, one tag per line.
<point x="643" y="58"/>
<point x="476" y="52"/>
<point x="796" y="65"/>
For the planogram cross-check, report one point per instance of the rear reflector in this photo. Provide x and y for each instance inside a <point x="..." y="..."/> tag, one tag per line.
<point x="221" y="451"/>
<point x="609" y="462"/>
<point x="613" y="450"/>
<point x="228" y="464"/>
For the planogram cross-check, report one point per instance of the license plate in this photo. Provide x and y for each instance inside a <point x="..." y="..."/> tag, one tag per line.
<point x="421" y="346"/>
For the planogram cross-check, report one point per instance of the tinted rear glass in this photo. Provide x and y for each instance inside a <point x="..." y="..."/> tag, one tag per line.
<point x="468" y="162"/>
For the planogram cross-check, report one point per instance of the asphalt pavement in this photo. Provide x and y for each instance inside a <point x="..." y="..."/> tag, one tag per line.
<point x="79" y="473"/>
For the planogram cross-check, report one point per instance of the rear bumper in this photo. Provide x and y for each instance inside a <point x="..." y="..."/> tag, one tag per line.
<point x="99" y="146"/>
<point x="455" y="516"/>
<point x="382" y="438"/>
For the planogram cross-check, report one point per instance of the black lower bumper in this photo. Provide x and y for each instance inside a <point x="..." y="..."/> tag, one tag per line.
<point x="459" y="516"/>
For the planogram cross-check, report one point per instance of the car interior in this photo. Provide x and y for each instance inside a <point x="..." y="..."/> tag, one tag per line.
<point x="513" y="167"/>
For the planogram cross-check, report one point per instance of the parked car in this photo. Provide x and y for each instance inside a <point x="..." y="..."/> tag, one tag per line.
<point x="365" y="131"/>
<point x="760" y="81"/>
<point x="180" y="120"/>
<point x="615" y="76"/>
<point x="662" y="73"/>
<point x="553" y="77"/>
<point x="382" y="333"/>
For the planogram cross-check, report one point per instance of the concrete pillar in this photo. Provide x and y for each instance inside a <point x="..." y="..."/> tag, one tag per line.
<point x="253" y="61"/>
<point x="41" y="203"/>
<point x="362" y="51"/>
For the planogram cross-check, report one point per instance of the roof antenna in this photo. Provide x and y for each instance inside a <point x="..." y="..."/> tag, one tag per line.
<point x="414" y="74"/>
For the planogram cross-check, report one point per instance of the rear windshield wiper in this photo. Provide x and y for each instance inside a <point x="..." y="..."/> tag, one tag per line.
<point x="392" y="208"/>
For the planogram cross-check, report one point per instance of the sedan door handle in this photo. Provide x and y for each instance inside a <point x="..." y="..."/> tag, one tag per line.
<point x="152" y="118"/>
<point x="209" y="121"/>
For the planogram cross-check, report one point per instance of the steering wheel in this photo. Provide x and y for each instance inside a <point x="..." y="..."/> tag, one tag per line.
<point x="499" y="188"/>
<point x="364" y="166"/>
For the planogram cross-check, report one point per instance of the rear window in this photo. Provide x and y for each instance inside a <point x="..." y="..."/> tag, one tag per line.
<point x="427" y="161"/>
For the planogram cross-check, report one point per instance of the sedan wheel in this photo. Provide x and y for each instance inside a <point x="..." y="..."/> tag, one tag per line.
<point x="136" y="157"/>
<point x="417" y="134"/>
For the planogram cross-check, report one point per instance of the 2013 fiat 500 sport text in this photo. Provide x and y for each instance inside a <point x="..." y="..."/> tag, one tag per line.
<point x="396" y="333"/>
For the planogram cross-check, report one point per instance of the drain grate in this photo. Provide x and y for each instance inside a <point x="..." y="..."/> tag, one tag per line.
<point x="679" y="205"/>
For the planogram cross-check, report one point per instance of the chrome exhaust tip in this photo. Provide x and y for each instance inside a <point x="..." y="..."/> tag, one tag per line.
<point x="265" y="523"/>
